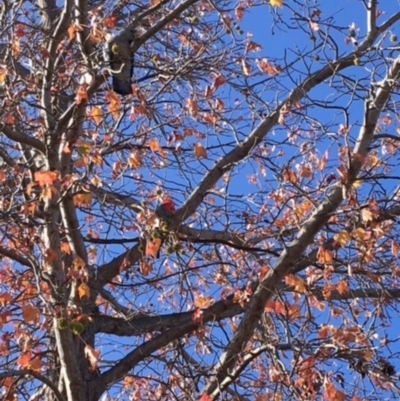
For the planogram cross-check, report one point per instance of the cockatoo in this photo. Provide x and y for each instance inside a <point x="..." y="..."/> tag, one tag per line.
<point x="119" y="55"/>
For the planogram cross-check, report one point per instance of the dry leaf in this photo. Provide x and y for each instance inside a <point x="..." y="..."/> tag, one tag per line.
<point x="96" y="114"/>
<point x="145" y="268"/>
<point x="45" y="178"/>
<point x="332" y="393"/>
<point x="200" y="152"/>
<point x="9" y="119"/>
<point x="30" y="314"/>
<point x="65" y="248"/>
<point x="81" y="95"/>
<point x="342" y="287"/>
<point x="50" y="255"/>
<point x="246" y="68"/>
<point x="153" y="247"/>
<point x="192" y="107"/>
<point x="83" y="291"/>
<point x="358" y="234"/>
<point x="92" y="355"/>
<point x="202" y="302"/>
<point x="135" y="159"/>
<point x="71" y="32"/>
<point x="154" y="145"/>
<point x="341" y="238"/>
<point x="297" y="283"/>
<point x="275" y="3"/>
<point x="218" y="81"/>
<point x="82" y="199"/>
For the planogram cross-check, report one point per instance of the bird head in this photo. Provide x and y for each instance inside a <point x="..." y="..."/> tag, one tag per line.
<point x="168" y="206"/>
<point x="114" y="48"/>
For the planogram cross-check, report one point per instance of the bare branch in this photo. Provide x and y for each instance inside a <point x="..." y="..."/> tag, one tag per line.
<point x="320" y="216"/>
<point x="21" y="138"/>
<point x="181" y="323"/>
<point x="13" y="256"/>
<point x="38" y="376"/>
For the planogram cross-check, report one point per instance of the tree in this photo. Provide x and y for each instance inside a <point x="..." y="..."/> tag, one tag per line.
<point x="278" y="271"/>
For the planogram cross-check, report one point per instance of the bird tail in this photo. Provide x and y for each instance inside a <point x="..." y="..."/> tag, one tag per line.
<point x="123" y="88"/>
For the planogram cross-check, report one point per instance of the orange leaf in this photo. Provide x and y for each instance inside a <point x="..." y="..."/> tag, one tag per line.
<point x="3" y="75"/>
<point x="192" y="107"/>
<point x="5" y="299"/>
<point x="332" y="393"/>
<point x="71" y="32"/>
<point x="83" y="291"/>
<point x="296" y="282"/>
<point x="64" y="247"/>
<point x="96" y="114"/>
<point x="294" y="312"/>
<point x="154" y="145"/>
<point x="358" y="234"/>
<point x="341" y="238"/>
<point x="270" y="306"/>
<point x="82" y="199"/>
<point x="44" y="178"/>
<point x="267" y="68"/>
<point x="202" y="302"/>
<point x="48" y="194"/>
<point x="276" y="3"/>
<point x="305" y="171"/>
<point x="15" y="47"/>
<point x="324" y="256"/>
<point x="113" y="109"/>
<point x="200" y="152"/>
<point x="30" y="314"/>
<point x="50" y="255"/>
<point x="92" y="355"/>
<point x="35" y="364"/>
<point x="81" y="95"/>
<point x="280" y="308"/>
<point x="135" y="159"/>
<point x="218" y="81"/>
<point x="289" y="175"/>
<point x="395" y="248"/>
<point x="145" y="268"/>
<point x="153" y="247"/>
<point x="208" y="92"/>
<point x="342" y="287"/>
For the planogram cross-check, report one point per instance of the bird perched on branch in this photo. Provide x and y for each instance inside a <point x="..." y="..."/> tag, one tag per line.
<point x="119" y="55"/>
<point x="165" y="209"/>
<point x="158" y="234"/>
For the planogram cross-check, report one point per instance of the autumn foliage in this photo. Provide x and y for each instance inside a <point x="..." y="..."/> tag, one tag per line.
<point x="230" y="230"/>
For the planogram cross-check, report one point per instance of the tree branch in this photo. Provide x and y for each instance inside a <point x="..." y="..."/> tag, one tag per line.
<point x="12" y="255"/>
<point x="22" y="138"/>
<point x="181" y="324"/>
<point x="318" y="218"/>
<point x="38" y="376"/>
<point x="139" y="325"/>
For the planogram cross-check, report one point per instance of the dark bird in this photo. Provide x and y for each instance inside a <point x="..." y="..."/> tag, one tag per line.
<point x="119" y="55"/>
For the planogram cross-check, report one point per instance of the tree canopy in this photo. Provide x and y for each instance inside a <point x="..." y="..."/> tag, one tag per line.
<point x="228" y="230"/>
